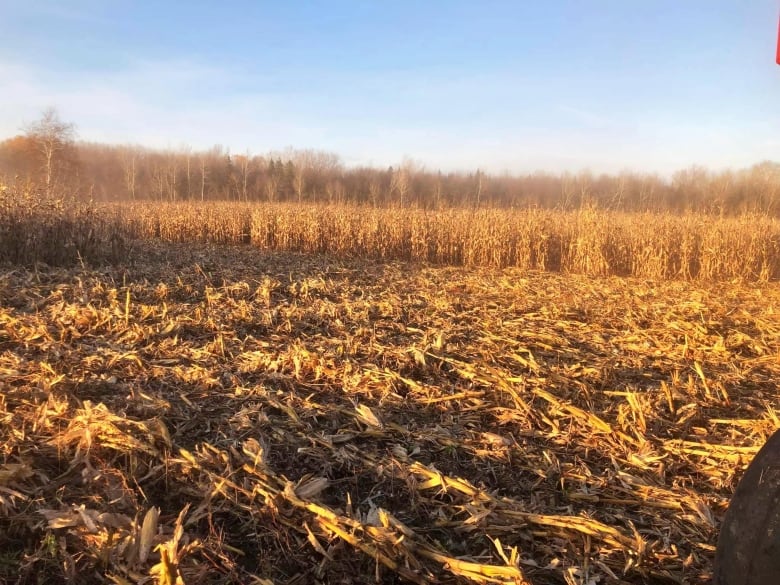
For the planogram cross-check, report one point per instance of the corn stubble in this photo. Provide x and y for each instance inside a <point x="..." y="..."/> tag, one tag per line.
<point x="222" y="414"/>
<point x="300" y="394"/>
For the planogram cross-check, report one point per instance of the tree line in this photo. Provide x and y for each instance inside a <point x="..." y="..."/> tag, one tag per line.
<point x="48" y="156"/>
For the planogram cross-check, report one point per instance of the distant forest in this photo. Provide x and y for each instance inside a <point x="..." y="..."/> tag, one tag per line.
<point x="47" y="156"/>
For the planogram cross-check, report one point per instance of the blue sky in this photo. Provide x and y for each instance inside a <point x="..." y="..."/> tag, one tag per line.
<point x="516" y="86"/>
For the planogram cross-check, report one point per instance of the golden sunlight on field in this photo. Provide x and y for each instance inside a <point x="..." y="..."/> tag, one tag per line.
<point x="224" y="414"/>
<point x="444" y="293"/>
<point x="592" y="241"/>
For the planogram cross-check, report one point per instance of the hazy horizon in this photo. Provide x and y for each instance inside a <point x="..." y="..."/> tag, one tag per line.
<point x="453" y="86"/>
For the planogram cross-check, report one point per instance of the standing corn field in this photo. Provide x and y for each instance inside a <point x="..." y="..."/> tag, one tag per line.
<point x="587" y="241"/>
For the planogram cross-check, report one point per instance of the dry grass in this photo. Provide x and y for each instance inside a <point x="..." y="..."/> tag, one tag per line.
<point x="227" y="415"/>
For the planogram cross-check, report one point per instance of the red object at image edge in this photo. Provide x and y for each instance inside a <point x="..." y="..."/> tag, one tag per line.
<point x="777" y="58"/>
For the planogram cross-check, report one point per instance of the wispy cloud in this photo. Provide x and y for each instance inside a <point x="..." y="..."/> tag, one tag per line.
<point x="584" y="117"/>
<point x="161" y="104"/>
<point x="486" y="121"/>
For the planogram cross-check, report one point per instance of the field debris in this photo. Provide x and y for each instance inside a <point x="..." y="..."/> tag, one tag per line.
<point x="231" y="415"/>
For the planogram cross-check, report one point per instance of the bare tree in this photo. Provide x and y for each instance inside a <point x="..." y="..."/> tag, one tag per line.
<point x="203" y="173"/>
<point x="479" y="178"/>
<point x="173" y="167"/>
<point x="437" y="196"/>
<point x="271" y="187"/>
<point x="335" y="191"/>
<point x="400" y="182"/>
<point x="309" y="170"/>
<point x="188" y="156"/>
<point x="129" y="155"/>
<point x="51" y="136"/>
<point x="299" y="180"/>
<point x="244" y="167"/>
<point x="567" y="191"/>
<point x="158" y="175"/>
<point x="374" y="191"/>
